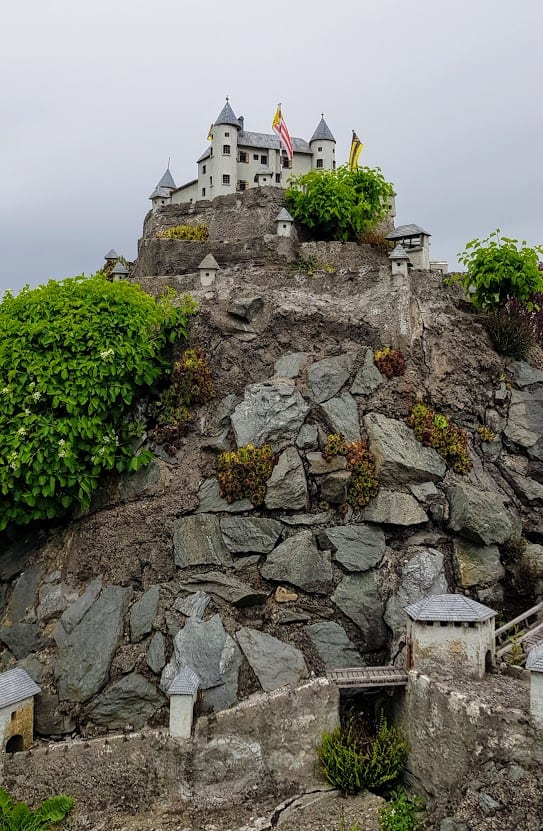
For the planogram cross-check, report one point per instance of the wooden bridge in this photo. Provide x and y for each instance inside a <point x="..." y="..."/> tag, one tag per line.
<point x="525" y="631"/>
<point x="364" y="677"/>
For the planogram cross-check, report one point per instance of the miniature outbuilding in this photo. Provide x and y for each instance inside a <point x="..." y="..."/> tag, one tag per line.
<point x="399" y="261"/>
<point x="416" y="243"/>
<point x="17" y="691"/>
<point x="111" y="256"/>
<point x="120" y="272"/>
<point x="208" y="270"/>
<point x="183" y="691"/>
<point x="284" y="223"/>
<point x="450" y="631"/>
<point x="534" y="663"/>
<point x="163" y="192"/>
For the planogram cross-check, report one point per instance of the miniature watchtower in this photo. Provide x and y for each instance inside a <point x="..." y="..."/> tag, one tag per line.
<point x="534" y="663"/>
<point x="120" y="272"/>
<point x="183" y="692"/>
<point x="416" y="243"/>
<point x="208" y="270"/>
<point x="17" y="691"/>
<point x="399" y="261"/>
<point x="284" y="223"/>
<point x="450" y="631"/>
<point x="323" y="147"/>
<point x="162" y="194"/>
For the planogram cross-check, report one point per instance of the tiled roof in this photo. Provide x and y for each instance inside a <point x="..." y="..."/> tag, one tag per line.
<point x="167" y="180"/>
<point x="322" y="132"/>
<point x="111" y="254"/>
<point x="449" y="607"/>
<point x="283" y="216"/>
<point x="407" y="231"/>
<point x="16" y="685"/>
<point x="165" y="193"/>
<point x="226" y="116"/>
<point x="186" y="682"/>
<point x="120" y="268"/>
<point x="266" y="141"/>
<point x="398" y="253"/>
<point x="534" y="661"/>
<point x="209" y="261"/>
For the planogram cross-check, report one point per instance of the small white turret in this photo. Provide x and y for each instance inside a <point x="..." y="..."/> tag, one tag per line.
<point x="534" y="663"/>
<point x="323" y="145"/>
<point x="221" y="177"/>
<point x="399" y="261"/>
<point x="162" y="194"/>
<point x="208" y="270"/>
<point x="120" y="272"/>
<point x="183" y="692"/>
<point x="284" y="223"/>
<point x="111" y="256"/>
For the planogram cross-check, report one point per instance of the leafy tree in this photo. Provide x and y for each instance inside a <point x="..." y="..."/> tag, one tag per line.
<point x="75" y="357"/>
<point x="339" y="204"/>
<point x="19" y="817"/>
<point x="499" y="269"/>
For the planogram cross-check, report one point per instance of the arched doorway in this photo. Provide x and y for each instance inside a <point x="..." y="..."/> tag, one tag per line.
<point x="15" y="744"/>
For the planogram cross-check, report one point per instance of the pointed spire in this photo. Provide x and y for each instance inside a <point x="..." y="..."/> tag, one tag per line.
<point x="227" y="116"/>
<point x="167" y="180"/>
<point x="322" y="132"/>
<point x="111" y="255"/>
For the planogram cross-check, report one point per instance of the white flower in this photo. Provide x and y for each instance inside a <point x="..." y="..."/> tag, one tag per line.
<point x="5" y="390"/>
<point x="106" y="353"/>
<point x="36" y="395"/>
<point x="21" y="431"/>
<point x="62" y="442"/>
<point x="62" y="453"/>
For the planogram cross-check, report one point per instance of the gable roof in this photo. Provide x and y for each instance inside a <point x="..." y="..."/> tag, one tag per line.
<point x="111" y="255"/>
<point x="227" y="116"/>
<point x="16" y="685"/>
<point x="322" y="132"/>
<point x="449" y="608"/>
<point x="407" y="231"/>
<point x="186" y="682"/>
<point x="120" y="268"/>
<point x="209" y="261"/>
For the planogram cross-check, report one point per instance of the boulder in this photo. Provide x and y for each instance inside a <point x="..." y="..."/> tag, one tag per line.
<point x="422" y="575"/>
<point x="142" y="614"/>
<point x="525" y="375"/>
<point x="197" y="540"/>
<point x="481" y="516"/>
<point x="245" y="307"/>
<point x="356" y="547"/>
<point x="194" y="605"/>
<point x="399" y="457"/>
<point x="477" y="565"/>
<point x="22" y="638"/>
<point x="132" y="700"/>
<point x="77" y="609"/>
<point x="319" y="466"/>
<point x="307" y="437"/>
<point x="325" y="378"/>
<point x="333" y="646"/>
<point x="290" y="366"/>
<point x="156" y="654"/>
<point x="525" y="417"/>
<point x="23" y="598"/>
<point x="368" y="377"/>
<point x="394" y="508"/>
<point x="357" y="596"/>
<point x="287" y="487"/>
<point x="271" y="413"/>
<point x="528" y="489"/>
<point x="299" y="562"/>
<point x="335" y="486"/>
<point x="274" y="663"/>
<point x="224" y="694"/>
<point x="49" y="720"/>
<point x="82" y="667"/>
<point x="341" y="415"/>
<point x="243" y="535"/>
<point x="211" y="501"/>
<point x="52" y="601"/>
<point x="15" y="557"/>
<point x="230" y="589"/>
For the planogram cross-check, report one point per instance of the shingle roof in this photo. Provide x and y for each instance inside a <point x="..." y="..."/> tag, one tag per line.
<point x="407" y="231"/>
<point x="186" y="682"/>
<point x="283" y="216"/>
<point x="263" y="171"/>
<point x="16" y="685"/>
<point x="267" y="141"/>
<point x="164" y="192"/>
<point x="227" y="116"/>
<point x="322" y="132"/>
<point x="209" y="261"/>
<point x="449" y="607"/>
<point x="167" y="180"/>
<point x="111" y="255"/>
<point x="398" y="253"/>
<point x="120" y="268"/>
<point x="204" y="155"/>
<point x="534" y="661"/>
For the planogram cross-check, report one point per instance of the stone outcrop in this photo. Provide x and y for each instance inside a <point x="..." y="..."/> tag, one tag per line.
<point x="274" y="663"/>
<point x="269" y="413"/>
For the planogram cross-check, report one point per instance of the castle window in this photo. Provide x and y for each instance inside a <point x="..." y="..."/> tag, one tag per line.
<point x="203" y="168"/>
<point x="242" y="185"/>
<point x="243" y="156"/>
<point x="255" y="157"/>
<point x="226" y="179"/>
<point x="211" y="181"/>
<point x="319" y="149"/>
<point x="278" y="178"/>
<point x="263" y="160"/>
<point x="285" y="162"/>
<point x="334" y="165"/>
<point x="226" y="149"/>
<point x="227" y="134"/>
<point x="203" y="191"/>
<point x="320" y="163"/>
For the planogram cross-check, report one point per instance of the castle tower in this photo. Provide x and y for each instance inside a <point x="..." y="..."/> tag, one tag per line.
<point x="222" y="173"/>
<point x="162" y="194"/>
<point x="323" y="145"/>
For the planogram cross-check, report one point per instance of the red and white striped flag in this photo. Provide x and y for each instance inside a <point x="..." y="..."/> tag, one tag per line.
<point x="278" y="124"/>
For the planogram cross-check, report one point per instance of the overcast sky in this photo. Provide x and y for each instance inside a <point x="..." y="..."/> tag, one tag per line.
<point x="95" y="96"/>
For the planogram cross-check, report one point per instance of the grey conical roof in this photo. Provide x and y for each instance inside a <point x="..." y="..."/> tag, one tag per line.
<point x="534" y="661"/>
<point x="283" y="216"/>
<point x="167" y="180"/>
<point x="111" y="255"/>
<point x="227" y="116"/>
<point x="186" y="682"/>
<point x="322" y="132"/>
<point x="398" y="253"/>
<point x="209" y="261"/>
<point x="449" y="608"/>
<point x="120" y="268"/>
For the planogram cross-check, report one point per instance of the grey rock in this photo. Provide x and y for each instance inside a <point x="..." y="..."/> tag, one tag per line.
<point x="516" y="773"/>
<point x="132" y="700"/>
<point x="225" y="694"/>
<point x="528" y="489"/>
<point x="536" y="451"/>
<point x="299" y="562"/>
<point x="220" y="415"/>
<point x="245" y="307"/>
<point x="211" y="501"/>
<point x="368" y="377"/>
<point x="307" y="437"/>
<point x="334" y="487"/>
<point x="333" y="646"/>
<point x="451" y="824"/>
<point x="156" y="654"/>
<point x="357" y="596"/>
<point x="488" y="804"/>
<point x="77" y="609"/>
<point x="399" y="457"/>
<point x="142" y="614"/>
<point x="356" y="547"/>
<point x="341" y="415"/>
<point x="246" y="563"/>
<point x="3" y="596"/>
<point x="23" y="598"/>
<point x="133" y="485"/>
<point x="15" y="557"/>
<point x="424" y="492"/>
<point x="194" y="605"/>
<point x="219" y="442"/>
<point x="525" y="375"/>
<point x="230" y="589"/>
<point x="287" y="486"/>
<point x="244" y="535"/>
<point x="22" y="638"/>
<point x="421" y="576"/>
<point x="269" y="413"/>
<point x="274" y="663"/>
<point x="82" y="667"/>
<point x="394" y="508"/>
<point x="199" y="644"/>
<point x="290" y="366"/>
<point x="33" y="666"/>
<point x="525" y="418"/>
<point x="307" y="519"/>
<point x="49" y="720"/>
<point x="481" y="516"/>
<point x="319" y="466"/>
<point x="197" y="540"/>
<point x="325" y="378"/>
<point x="52" y="601"/>
<point x="477" y="565"/>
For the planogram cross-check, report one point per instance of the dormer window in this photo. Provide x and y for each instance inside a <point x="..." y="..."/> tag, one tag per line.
<point x="226" y="149"/>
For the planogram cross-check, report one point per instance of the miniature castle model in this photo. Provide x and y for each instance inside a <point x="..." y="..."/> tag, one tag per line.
<point x="237" y="160"/>
<point x="17" y="691"/>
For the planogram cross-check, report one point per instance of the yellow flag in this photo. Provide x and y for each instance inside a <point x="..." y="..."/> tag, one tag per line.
<point x="210" y="134"/>
<point x="356" y="149"/>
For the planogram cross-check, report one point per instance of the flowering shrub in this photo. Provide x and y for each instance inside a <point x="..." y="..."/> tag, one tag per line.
<point x="74" y="358"/>
<point x="193" y="233"/>
<point x="390" y="362"/>
<point x="435" y="430"/>
<point x="363" y="484"/>
<point x="243" y="473"/>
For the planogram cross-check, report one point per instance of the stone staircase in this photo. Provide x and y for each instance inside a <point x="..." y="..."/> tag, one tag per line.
<point x="525" y="631"/>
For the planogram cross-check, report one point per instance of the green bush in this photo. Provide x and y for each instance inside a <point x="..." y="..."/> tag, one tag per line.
<point x="19" y="817"/>
<point x="75" y="357"/>
<point x="243" y="473"/>
<point x="339" y="204"/>
<point x="351" y="761"/>
<point x="401" y="813"/>
<point x="192" y="233"/>
<point x="435" y="430"/>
